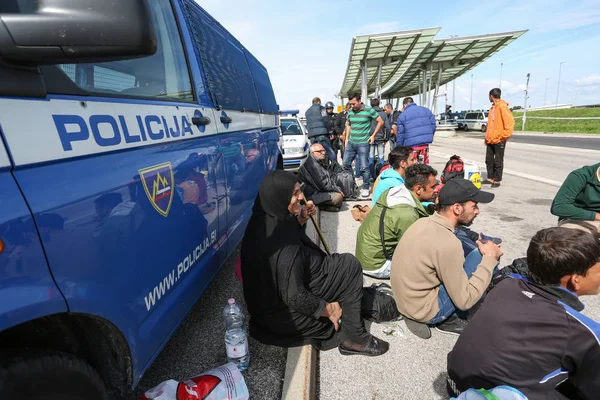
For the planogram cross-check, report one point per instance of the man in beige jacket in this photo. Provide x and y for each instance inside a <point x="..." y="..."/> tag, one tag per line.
<point x="431" y="280"/>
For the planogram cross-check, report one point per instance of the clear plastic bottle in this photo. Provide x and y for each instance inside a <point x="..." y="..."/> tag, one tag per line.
<point x="236" y="339"/>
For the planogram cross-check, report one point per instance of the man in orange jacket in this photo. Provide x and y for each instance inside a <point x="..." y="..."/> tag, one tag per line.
<point x="500" y="127"/>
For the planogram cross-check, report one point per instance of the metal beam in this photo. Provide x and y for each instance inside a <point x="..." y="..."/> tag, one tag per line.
<point x="410" y="48"/>
<point x="378" y="87"/>
<point x="363" y="82"/>
<point x="479" y="59"/>
<point x="423" y="65"/>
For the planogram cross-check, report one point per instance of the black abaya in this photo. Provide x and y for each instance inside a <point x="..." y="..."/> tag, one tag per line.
<point x="288" y="280"/>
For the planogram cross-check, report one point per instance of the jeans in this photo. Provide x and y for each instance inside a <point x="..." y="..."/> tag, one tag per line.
<point x="472" y="260"/>
<point x="360" y="152"/>
<point x="324" y="140"/>
<point x="379" y="150"/>
<point x="494" y="161"/>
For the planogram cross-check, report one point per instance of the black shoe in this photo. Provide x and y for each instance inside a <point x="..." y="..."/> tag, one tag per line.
<point x="418" y="329"/>
<point x="376" y="347"/>
<point x="452" y="326"/>
<point x="496" y="185"/>
<point x="486" y="182"/>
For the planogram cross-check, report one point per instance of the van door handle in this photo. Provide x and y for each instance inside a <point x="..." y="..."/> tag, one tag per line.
<point x="226" y="120"/>
<point x="200" y="120"/>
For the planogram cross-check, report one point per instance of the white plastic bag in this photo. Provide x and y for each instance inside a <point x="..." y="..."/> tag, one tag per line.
<point x="222" y="383"/>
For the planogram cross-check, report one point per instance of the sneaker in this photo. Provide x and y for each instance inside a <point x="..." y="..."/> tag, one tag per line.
<point x="364" y="193"/>
<point x="452" y="326"/>
<point x="418" y="329"/>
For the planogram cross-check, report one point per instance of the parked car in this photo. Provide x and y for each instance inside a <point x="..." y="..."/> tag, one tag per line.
<point x="295" y="142"/>
<point x="473" y="120"/>
<point x="134" y="138"/>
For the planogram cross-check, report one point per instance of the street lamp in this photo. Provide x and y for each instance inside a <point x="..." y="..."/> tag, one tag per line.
<point x="525" y="105"/>
<point x="471" y="105"/>
<point x="546" y="90"/>
<point x="501" y="66"/>
<point x="558" y="87"/>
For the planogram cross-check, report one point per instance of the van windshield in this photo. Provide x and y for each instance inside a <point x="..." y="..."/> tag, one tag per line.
<point x="290" y="127"/>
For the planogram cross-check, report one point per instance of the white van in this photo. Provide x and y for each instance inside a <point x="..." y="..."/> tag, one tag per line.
<point x="295" y="142"/>
<point x="475" y="120"/>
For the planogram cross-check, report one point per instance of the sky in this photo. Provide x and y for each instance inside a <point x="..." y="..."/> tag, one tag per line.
<point x="305" y="45"/>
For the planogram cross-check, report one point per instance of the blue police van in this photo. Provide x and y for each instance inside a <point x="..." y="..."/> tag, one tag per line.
<point x="134" y="137"/>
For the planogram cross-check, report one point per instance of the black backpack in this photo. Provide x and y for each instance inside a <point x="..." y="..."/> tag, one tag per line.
<point x="378" y="304"/>
<point x="345" y="180"/>
<point x="455" y="168"/>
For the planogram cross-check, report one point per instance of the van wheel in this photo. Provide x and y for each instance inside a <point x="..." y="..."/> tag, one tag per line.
<point x="50" y="376"/>
<point x="483" y="128"/>
<point x="465" y="128"/>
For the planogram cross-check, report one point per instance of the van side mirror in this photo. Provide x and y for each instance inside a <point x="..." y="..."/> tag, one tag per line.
<point x="71" y="31"/>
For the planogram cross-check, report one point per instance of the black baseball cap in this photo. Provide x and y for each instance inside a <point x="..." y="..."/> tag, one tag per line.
<point x="461" y="190"/>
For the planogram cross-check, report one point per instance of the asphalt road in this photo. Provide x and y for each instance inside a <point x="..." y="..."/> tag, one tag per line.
<point x="198" y="345"/>
<point x="551" y="163"/>
<point x="580" y="142"/>
<point x="415" y="368"/>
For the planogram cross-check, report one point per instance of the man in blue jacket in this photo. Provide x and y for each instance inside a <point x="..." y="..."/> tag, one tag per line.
<point x="415" y="128"/>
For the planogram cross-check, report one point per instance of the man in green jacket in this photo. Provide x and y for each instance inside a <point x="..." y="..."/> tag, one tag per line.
<point x="578" y="199"/>
<point x="401" y="207"/>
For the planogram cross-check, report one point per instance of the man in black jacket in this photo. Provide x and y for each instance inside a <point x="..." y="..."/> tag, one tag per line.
<point x="317" y="124"/>
<point x="529" y="333"/>
<point x="340" y="127"/>
<point x="331" y="119"/>
<point x="318" y="173"/>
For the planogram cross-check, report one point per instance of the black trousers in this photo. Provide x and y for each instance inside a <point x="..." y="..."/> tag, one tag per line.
<point x="341" y="281"/>
<point x="494" y="161"/>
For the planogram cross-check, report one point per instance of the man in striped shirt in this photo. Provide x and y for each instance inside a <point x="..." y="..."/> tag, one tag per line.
<point x="358" y="138"/>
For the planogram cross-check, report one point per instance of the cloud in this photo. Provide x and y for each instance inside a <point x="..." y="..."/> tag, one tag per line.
<point x="582" y="16"/>
<point x="591" y="80"/>
<point x="379" y="27"/>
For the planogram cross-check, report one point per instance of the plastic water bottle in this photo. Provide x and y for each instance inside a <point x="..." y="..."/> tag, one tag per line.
<point x="236" y="340"/>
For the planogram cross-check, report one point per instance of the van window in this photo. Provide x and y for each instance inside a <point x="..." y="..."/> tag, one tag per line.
<point x="163" y="75"/>
<point x="224" y="61"/>
<point x="472" y="116"/>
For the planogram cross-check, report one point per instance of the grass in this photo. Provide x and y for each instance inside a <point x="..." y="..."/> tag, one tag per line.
<point x="564" y="126"/>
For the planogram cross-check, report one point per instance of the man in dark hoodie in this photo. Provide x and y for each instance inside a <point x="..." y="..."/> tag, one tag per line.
<point x="318" y="175"/>
<point x="530" y="333"/>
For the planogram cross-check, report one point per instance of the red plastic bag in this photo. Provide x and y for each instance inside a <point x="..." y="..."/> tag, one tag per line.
<point x="223" y="383"/>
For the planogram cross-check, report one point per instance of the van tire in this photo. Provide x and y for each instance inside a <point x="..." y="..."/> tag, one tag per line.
<point x="483" y="128"/>
<point x="50" y="376"/>
<point x="466" y="128"/>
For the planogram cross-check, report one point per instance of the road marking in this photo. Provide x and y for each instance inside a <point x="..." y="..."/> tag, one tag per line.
<point x="506" y="171"/>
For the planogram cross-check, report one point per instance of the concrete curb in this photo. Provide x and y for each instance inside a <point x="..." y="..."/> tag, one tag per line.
<point x="300" y="380"/>
<point x="506" y="171"/>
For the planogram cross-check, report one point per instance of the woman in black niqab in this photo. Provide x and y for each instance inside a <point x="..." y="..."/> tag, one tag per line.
<point x="293" y="290"/>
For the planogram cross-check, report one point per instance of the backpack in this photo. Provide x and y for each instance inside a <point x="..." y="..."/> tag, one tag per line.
<point x="378" y="304"/>
<point x="345" y="180"/>
<point x="454" y="168"/>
